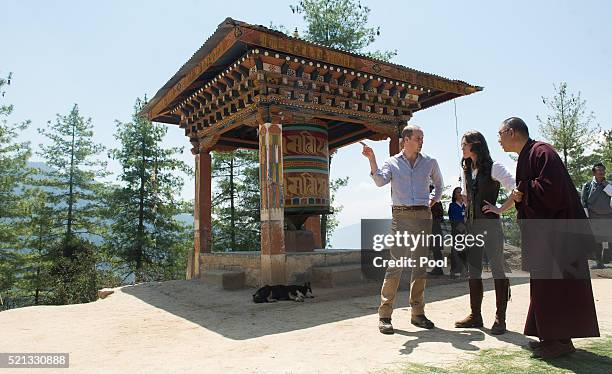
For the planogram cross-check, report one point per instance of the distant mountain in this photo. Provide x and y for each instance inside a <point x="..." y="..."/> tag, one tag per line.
<point x="183" y="218"/>
<point x="40" y="166"/>
<point x="347" y="237"/>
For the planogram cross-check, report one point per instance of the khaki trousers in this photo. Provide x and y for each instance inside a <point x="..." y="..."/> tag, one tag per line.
<point x="414" y="222"/>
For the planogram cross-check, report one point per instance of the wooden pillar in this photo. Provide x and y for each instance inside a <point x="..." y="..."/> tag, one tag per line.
<point x="313" y="224"/>
<point x="202" y="213"/>
<point x="394" y="146"/>
<point x="272" y="204"/>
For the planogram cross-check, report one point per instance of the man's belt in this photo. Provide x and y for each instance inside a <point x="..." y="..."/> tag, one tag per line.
<point x="409" y="208"/>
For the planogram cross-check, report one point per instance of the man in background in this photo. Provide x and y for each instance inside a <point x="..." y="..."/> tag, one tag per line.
<point x="596" y="202"/>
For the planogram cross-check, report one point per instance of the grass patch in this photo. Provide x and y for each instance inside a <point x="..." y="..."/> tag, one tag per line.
<point x="592" y="357"/>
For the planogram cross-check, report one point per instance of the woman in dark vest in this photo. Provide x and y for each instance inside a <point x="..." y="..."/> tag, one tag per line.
<point x="482" y="180"/>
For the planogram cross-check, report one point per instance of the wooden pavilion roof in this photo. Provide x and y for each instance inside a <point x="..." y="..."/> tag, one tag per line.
<point x="242" y="67"/>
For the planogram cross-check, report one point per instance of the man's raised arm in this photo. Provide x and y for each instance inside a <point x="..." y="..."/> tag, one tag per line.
<point x="381" y="177"/>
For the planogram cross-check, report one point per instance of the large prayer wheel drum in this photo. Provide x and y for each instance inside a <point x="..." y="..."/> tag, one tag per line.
<point x="305" y="171"/>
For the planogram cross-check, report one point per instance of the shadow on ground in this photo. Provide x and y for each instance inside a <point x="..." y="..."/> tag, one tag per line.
<point x="583" y="362"/>
<point x="234" y="315"/>
<point x="460" y="339"/>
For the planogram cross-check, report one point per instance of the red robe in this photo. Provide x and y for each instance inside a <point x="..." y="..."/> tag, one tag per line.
<point x="556" y="245"/>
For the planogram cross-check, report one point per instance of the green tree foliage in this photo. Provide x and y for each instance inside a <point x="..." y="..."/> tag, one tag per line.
<point x="341" y="24"/>
<point x="14" y="156"/>
<point x="146" y="237"/>
<point x="569" y="127"/>
<point x="73" y="279"/>
<point x="14" y="175"/>
<point x="603" y="152"/>
<point x="512" y="232"/>
<point x="74" y="171"/>
<point x="236" y="201"/>
<point x="38" y="243"/>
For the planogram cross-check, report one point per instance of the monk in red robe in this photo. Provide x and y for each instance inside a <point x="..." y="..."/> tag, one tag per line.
<point x="556" y="241"/>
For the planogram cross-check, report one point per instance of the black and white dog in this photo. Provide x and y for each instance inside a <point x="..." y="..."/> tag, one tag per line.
<point x="269" y="294"/>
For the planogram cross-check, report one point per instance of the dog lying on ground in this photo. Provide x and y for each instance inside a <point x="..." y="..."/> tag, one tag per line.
<point x="269" y="294"/>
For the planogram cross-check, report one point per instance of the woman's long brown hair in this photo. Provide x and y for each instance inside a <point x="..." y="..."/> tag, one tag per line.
<point x="484" y="162"/>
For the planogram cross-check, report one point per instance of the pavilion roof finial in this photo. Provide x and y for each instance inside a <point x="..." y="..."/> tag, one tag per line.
<point x="295" y="33"/>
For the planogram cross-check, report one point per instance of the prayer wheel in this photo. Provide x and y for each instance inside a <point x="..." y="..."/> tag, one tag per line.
<point x="305" y="171"/>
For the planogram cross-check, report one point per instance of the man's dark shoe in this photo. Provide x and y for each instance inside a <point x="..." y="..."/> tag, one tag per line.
<point x="533" y="345"/>
<point x="598" y="266"/>
<point x="385" y="326"/>
<point x="553" y="350"/>
<point x="422" y="322"/>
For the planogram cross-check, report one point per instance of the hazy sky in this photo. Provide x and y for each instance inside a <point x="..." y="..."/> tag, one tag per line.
<point x="102" y="55"/>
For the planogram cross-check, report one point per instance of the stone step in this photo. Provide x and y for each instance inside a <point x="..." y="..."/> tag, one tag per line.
<point x="227" y="279"/>
<point x="332" y="276"/>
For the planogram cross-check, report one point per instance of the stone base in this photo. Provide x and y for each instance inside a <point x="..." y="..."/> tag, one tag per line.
<point x="227" y="279"/>
<point x="332" y="276"/>
<point x="299" y="241"/>
<point x="298" y="265"/>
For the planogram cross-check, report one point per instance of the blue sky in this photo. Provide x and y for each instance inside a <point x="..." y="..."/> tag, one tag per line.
<point x="102" y="55"/>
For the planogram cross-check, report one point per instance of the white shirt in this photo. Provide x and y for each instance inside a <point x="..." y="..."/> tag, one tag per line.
<point x="498" y="173"/>
<point x="410" y="184"/>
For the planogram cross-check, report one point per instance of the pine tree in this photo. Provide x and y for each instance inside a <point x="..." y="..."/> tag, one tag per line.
<point x="74" y="195"/>
<point x="569" y="128"/>
<point x="236" y="202"/>
<point x="341" y="24"/>
<point x="14" y="173"/>
<point x="145" y="234"/>
<point x="14" y="177"/>
<point x="73" y="177"/>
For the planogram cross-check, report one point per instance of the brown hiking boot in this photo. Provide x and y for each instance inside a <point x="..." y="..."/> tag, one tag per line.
<point x="385" y="326"/>
<point x="471" y="321"/>
<point x="502" y="295"/>
<point x="474" y="319"/>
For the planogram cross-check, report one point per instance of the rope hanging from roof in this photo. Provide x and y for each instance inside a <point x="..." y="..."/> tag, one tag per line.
<point x="457" y="135"/>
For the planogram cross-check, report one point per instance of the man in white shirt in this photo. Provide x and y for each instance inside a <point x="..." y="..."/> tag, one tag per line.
<point x="410" y="173"/>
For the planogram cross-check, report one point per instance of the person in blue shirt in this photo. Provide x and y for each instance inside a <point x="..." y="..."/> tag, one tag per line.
<point x="456" y="216"/>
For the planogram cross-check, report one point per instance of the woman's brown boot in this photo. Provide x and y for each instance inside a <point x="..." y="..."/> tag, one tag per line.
<point x="502" y="295"/>
<point x="474" y="319"/>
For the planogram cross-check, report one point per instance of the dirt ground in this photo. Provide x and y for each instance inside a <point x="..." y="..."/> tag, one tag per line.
<point x="186" y="326"/>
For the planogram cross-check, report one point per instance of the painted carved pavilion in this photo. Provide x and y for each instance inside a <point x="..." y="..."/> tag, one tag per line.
<point x="295" y="102"/>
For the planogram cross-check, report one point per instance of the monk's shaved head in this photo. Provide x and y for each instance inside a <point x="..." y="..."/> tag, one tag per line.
<point x="518" y="125"/>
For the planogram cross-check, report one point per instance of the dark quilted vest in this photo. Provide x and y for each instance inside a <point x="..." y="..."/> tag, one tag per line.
<point x="478" y="190"/>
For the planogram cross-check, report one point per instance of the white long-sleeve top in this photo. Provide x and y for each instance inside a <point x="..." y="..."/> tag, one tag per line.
<point x="498" y="173"/>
